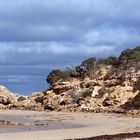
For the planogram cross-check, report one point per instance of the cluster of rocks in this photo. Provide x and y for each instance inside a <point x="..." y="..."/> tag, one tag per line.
<point x="93" y="96"/>
<point x="9" y="100"/>
<point x="111" y="89"/>
<point x="77" y="96"/>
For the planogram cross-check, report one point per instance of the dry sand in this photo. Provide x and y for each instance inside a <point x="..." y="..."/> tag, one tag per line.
<point x="29" y="125"/>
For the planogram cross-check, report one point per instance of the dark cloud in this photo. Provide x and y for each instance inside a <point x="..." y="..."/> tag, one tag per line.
<point x="63" y="21"/>
<point x="38" y="36"/>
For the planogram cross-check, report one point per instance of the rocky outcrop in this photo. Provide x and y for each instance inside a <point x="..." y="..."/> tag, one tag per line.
<point x="109" y="88"/>
<point x="9" y="100"/>
<point x="92" y="95"/>
<point x="6" y="97"/>
<point x="88" y="95"/>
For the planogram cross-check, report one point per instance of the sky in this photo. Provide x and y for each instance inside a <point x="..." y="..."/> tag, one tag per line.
<point x="37" y="36"/>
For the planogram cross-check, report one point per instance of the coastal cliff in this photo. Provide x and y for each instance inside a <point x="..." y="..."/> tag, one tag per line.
<point x="103" y="85"/>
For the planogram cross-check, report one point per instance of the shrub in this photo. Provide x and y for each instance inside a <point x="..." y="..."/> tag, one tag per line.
<point x="137" y="48"/>
<point x="129" y="57"/>
<point x="39" y="99"/>
<point x="90" y="67"/>
<point x="21" y="98"/>
<point x="89" y="64"/>
<point x="111" y="60"/>
<point x="72" y="70"/>
<point x="56" y="75"/>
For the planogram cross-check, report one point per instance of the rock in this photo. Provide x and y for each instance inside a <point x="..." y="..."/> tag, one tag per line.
<point x="61" y="88"/>
<point x="133" y="112"/>
<point x="36" y="97"/>
<point x="50" y="101"/>
<point x="111" y="86"/>
<point x="6" y="97"/>
<point x="3" y="106"/>
<point x="133" y="102"/>
<point x="95" y="92"/>
<point x="136" y="101"/>
<point x="103" y="71"/>
<point x="119" y="96"/>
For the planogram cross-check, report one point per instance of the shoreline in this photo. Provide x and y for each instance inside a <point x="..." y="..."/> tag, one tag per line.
<point x="89" y="125"/>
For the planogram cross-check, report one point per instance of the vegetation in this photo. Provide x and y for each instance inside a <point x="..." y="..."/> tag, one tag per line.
<point x="88" y="67"/>
<point x="111" y="60"/>
<point x="39" y="99"/>
<point x="56" y="75"/>
<point x="73" y="71"/>
<point x="129" y="58"/>
<point x="89" y="64"/>
<point x="21" y="98"/>
<point x="137" y="48"/>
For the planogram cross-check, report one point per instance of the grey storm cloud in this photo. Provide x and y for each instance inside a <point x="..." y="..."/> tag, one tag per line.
<point x="62" y="20"/>
<point x="38" y="36"/>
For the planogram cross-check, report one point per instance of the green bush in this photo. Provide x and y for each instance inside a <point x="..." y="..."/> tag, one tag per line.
<point x="72" y="70"/>
<point x="88" y="68"/>
<point x="21" y="98"/>
<point x="89" y="63"/>
<point x="135" y="54"/>
<point x="56" y="75"/>
<point x="129" y="57"/>
<point x="111" y="60"/>
<point x="137" y="48"/>
<point x="39" y="99"/>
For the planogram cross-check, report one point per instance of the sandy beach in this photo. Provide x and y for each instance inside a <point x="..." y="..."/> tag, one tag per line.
<point x="30" y="125"/>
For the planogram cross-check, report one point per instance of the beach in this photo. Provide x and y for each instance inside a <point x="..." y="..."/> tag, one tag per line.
<point x="33" y="125"/>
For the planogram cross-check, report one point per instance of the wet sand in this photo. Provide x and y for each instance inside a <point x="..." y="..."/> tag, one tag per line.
<point x="30" y="125"/>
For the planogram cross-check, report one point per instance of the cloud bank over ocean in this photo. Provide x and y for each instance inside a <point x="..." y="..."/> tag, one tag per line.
<point x="38" y="36"/>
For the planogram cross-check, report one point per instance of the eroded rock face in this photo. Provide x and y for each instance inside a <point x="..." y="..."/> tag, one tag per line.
<point x="6" y="97"/>
<point x="55" y="102"/>
<point x="31" y="102"/>
<point x="9" y="100"/>
<point x="98" y="94"/>
<point x="110" y="89"/>
<point x="93" y="95"/>
<point x="133" y="102"/>
<point x="136" y="101"/>
<point x="119" y="95"/>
